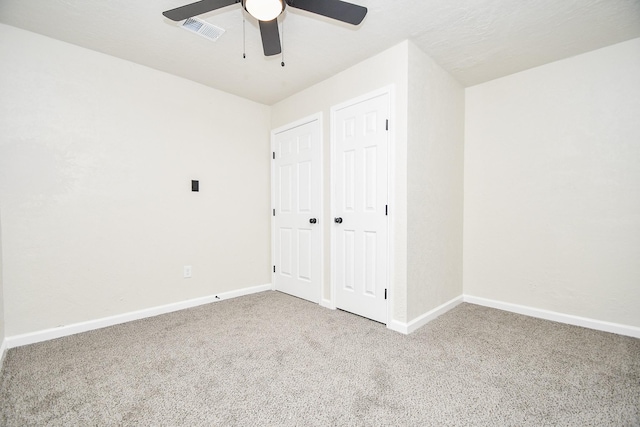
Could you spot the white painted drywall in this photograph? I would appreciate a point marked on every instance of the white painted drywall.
(97, 155)
(435, 162)
(2, 334)
(552, 187)
(386, 68)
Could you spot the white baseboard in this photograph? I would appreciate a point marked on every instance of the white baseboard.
(584, 322)
(327, 303)
(3, 351)
(420, 321)
(398, 326)
(63, 331)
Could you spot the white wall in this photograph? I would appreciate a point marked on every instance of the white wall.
(96, 160)
(386, 68)
(434, 185)
(552, 187)
(2, 334)
(97, 154)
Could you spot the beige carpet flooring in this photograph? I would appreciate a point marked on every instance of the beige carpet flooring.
(273, 360)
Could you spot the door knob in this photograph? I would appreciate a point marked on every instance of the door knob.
(313, 220)
(337, 220)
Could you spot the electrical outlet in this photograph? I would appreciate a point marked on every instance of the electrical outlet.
(187, 271)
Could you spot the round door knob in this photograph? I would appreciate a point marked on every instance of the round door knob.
(337, 220)
(313, 220)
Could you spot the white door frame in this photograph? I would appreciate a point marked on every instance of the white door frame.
(314, 117)
(390, 91)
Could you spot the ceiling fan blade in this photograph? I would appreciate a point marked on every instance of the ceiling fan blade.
(270, 37)
(335, 9)
(198, 8)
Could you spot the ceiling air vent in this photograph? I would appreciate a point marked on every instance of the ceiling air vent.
(203, 28)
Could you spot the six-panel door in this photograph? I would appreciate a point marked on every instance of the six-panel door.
(360, 234)
(297, 208)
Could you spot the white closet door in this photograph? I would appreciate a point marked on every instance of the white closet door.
(360, 188)
(297, 188)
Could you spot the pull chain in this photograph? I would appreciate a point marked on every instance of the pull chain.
(282, 44)
(244, 41)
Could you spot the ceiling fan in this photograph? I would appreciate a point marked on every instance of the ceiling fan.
(267, 12)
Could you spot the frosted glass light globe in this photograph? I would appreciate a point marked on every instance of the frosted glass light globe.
(264, 10)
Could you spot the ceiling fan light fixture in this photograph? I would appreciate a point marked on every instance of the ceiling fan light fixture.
(264, 10)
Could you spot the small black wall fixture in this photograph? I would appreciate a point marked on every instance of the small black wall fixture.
(195, 185)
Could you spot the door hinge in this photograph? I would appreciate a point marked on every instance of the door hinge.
(274, 212)
(386, 209)
(274, 268)
(274, 155)
(385, 294)
(387, 125)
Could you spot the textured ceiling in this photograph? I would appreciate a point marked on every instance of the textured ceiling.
(475, 40)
